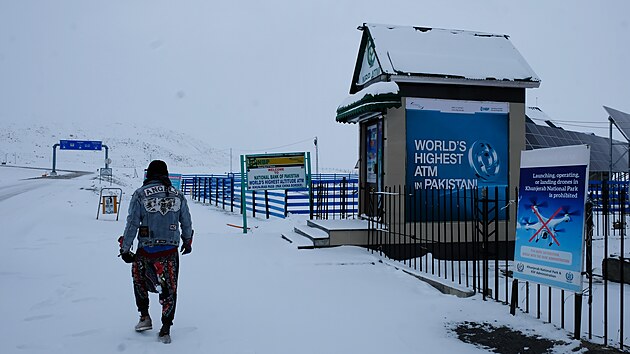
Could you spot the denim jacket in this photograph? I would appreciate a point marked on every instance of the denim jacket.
(155, 215)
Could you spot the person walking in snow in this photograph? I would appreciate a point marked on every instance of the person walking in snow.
(156, 211)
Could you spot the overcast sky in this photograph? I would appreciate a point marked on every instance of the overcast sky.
(255, 75)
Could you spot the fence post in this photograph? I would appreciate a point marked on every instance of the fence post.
(622, 263)
(206, 184)
(267, 204)
(254, 203)
(496, 244)
(484, 245)
(223, 191)
(343, 198)
(216, 194)
(606, 211)
(286, 203)
(578, 316)
(514, 300)
(476, 240)
(310, 201)
(211, 180)
(192, 189)
(589, 263)
(232, 194)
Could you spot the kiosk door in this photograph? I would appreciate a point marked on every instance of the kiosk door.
(373, 168)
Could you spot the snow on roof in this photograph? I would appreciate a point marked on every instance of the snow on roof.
(469, 55)
(535, 113)
(376, 88)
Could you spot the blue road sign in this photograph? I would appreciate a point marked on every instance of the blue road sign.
(80, 145)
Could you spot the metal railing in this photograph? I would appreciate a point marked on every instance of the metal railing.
(331, 196)
(467, 237)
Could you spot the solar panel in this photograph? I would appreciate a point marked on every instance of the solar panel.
(540, 136)
(621, 120)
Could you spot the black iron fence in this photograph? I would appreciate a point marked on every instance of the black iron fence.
(467, 237)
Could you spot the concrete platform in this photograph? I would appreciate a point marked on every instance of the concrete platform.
(327, 233)
(318, 236)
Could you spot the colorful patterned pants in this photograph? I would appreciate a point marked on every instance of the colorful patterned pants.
(158, 274)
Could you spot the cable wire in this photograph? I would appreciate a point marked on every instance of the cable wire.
(269, 148)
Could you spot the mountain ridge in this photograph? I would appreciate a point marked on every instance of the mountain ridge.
(130, 145)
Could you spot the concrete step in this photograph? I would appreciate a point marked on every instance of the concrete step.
(339, 224)
(298, 240)
(318, 236)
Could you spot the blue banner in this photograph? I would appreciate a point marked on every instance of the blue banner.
(453, 147)
(80, 145)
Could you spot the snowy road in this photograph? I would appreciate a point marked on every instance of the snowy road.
(9, 191)
(11, 188)
(15, 181)
(65, 291)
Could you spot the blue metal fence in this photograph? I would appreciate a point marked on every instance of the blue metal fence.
(331, 196)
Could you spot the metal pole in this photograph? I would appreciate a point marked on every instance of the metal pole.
(106, 156)
(589, 264)
(316, 156)
(577, 327)
(622, 264)
(606, 210)
(309, 181)
(610, 133)
(514, 300)
(243, 199)
(54, 172)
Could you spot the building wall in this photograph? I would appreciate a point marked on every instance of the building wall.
(394, 147)
(517, 144)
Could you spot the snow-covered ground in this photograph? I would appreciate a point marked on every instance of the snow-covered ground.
(64, 290)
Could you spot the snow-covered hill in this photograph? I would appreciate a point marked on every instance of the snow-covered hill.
(131, 146)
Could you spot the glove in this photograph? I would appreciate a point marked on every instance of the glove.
(127, 257)
(187, 246)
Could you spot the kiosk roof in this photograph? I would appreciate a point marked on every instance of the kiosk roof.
(446, 56)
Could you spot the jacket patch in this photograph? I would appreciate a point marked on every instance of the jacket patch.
(143, 231)
(162, 205)
(159, 189)
(172, 227)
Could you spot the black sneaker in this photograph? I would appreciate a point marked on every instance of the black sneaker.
(165, 335)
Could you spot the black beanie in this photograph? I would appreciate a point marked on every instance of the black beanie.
(157, 168)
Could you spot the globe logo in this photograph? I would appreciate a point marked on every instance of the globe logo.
(569, 277)
(371, 55)
(484, 160)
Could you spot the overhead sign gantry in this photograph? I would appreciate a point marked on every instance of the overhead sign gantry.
(90, 145)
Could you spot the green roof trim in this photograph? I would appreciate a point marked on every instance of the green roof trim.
(368, 104)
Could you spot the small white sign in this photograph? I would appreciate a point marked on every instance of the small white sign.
(106, 172)
(110, 205)
(276, 178)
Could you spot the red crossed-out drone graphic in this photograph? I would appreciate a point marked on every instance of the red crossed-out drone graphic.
(546, 228)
